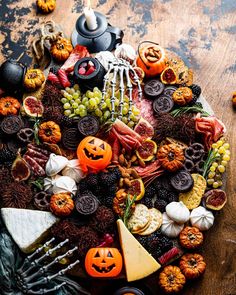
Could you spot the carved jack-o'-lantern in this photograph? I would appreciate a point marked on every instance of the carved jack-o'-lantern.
(103, 262)
(94, 153)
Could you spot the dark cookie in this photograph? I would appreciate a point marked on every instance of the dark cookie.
(163, 104)
(182, 181)
(88, 125)
(153, 88)
(189, 165)
(169, 90)
(42, 201)
(86, 204)
(11, 124)
(195, 152)
(25, 135)
(70, 138)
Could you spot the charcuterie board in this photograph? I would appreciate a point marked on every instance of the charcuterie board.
(117, 158)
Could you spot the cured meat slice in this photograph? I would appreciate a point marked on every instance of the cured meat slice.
(211, 128)
(38, 149)
(78, 52)
(62, 76)
(32, 153)
(53, 78)
(34, 166)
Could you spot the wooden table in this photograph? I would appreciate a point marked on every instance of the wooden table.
(203, 33)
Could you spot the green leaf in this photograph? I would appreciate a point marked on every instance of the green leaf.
(128, 208)
(39, 183)
(197, 108)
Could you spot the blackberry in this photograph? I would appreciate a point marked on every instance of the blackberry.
(92, 181)
(147, 202)
(150, 191)
(162, 194)
(160, 205)
(6, 155)
(157, 253)
(107, 179)
(166, 244)
(108, 201)
(172, 197)
(142, 240)
(83, 186)
(152, 244)
(117, 172)
(196, 89)
(66, 121)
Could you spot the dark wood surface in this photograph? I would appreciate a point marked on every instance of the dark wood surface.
(203, 33)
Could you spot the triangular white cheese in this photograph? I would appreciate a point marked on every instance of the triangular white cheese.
(138, 262)
(27, 227)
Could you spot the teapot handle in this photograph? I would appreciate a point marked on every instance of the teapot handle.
(119, 34)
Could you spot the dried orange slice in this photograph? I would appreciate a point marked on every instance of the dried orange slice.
(168, 76)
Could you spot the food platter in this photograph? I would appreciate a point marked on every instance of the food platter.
(116, 154)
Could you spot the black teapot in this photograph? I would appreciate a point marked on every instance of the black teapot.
(104, 37)
(12, 75)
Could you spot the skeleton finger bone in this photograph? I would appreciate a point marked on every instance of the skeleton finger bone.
(46, 291)
(122, 89)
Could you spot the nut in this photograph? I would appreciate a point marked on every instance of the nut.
(151, 58)
(134, 174)
(121, 182)
(141, 163)
(127, 182)
(121, 159)
(133, 158)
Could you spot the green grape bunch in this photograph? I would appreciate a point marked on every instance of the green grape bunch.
(76, 105)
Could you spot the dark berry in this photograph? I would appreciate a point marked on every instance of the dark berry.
(142, 240)
(6, 155)
(172, 197)
(107, 179)
(92, 181)
(53, 70)
(150, 191)
(108, 201)
(147, 202)
(160, 205)
(83, 186)
(162, 194)
(66, 121)
(196, 89)
(166, 244)
(117, 172)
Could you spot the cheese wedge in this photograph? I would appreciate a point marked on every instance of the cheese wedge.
(27, 227)
(138, 262)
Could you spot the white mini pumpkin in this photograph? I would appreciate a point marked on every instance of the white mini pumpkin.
(169, 227)
(64, 184)
(178, 212)
(202, 218)
(73, 170)
(55, 164)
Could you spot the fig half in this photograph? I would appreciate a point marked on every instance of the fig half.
(20, 170)
(215, 199)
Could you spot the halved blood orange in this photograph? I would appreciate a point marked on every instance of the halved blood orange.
(136, 189)
(147, 150)
(168, 76)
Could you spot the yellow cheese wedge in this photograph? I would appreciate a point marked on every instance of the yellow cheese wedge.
(138, 262)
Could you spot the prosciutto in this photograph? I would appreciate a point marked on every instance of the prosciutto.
(78, 52)
(211, 128)
(127, 137)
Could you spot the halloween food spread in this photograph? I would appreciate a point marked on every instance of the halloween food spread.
(130, 173)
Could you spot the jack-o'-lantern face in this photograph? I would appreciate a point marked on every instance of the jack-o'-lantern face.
(103, 262)
(94, 153)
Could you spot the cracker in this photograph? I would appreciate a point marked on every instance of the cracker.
(192, 199)
(139, 218)
(155, 224)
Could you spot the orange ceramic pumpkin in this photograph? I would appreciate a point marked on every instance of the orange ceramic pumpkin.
(103, 262)
(171, 157)
(94, 153)
(151, 58)
(192, 265)
(9, 106)
(62, 204)
(49, 132)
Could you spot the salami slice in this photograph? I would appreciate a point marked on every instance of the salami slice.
(34, 166)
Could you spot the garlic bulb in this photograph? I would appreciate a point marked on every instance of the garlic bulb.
(202, 218)
(55, 164)
(64, 184)
(178, 212)
(127, 52)
(169, 227)
(48, 183)
(104, 57)
(73, 170)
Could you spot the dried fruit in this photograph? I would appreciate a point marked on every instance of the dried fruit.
(136, 189)
(147, 150)
(144, 129)
(168, 76)
(33, 106)
(215, 199)
(20, 169)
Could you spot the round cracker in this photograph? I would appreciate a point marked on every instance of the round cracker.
(139, 218)
(155, 224)
(142, 229)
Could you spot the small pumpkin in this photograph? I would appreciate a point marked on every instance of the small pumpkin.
(171, 157)
(34, 79)
(62, 204)
(61, 49)
(49, 132)
(46, 6)
(103, 262)
(171, 279)
(151, 58)
(190, 237)
(9, 106)
(182, 96)
(192, 265)
(94, 153)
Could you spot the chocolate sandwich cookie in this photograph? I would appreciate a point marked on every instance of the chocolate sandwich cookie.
(153, 88)
(86, 204)
(11, 124)
(163, 104)
(88, 125)
(182, 181)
